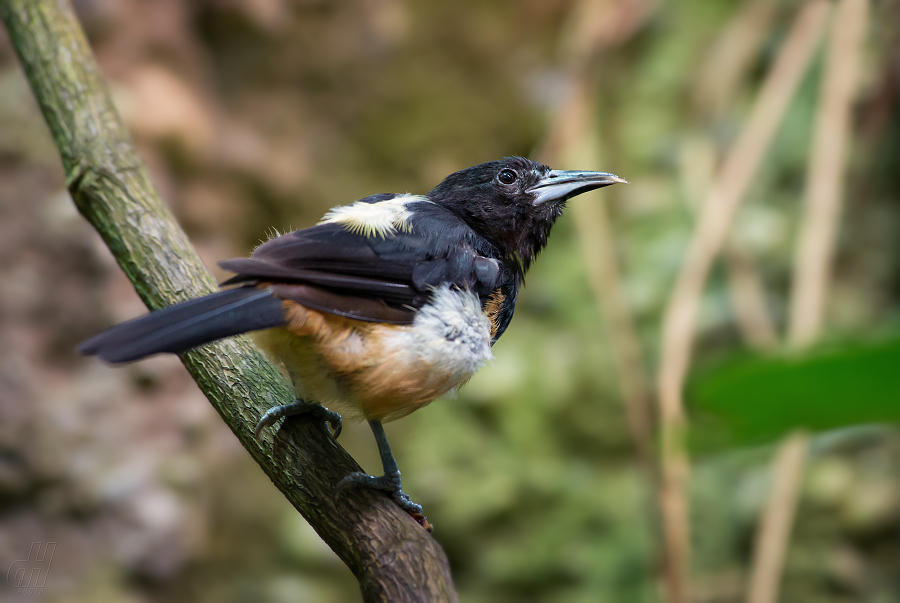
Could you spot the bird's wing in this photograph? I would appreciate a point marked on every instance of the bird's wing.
(380, 273)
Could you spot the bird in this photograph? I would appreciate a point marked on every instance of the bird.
(384, 305)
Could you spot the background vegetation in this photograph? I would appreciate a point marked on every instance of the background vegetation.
(541, 476)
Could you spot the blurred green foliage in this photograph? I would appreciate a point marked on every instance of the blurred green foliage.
(755, 400)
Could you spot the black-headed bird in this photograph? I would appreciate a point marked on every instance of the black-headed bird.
(385, 304)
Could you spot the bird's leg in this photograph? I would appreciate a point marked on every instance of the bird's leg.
(389, 482)
(299, 407)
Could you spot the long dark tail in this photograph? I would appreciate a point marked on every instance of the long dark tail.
(186, 325)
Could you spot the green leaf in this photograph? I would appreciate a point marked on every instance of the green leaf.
(753, 400)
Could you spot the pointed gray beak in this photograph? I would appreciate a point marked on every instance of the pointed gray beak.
(559, 185)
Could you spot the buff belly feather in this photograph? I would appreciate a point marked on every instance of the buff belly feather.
(380, 371)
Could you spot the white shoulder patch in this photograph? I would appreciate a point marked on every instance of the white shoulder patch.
(374, 219)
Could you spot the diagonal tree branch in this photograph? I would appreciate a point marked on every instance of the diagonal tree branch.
(391, 555)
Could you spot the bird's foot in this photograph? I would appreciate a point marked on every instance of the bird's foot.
(300, 407)
(389, 483)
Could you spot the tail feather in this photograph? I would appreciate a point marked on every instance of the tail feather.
(187, 325)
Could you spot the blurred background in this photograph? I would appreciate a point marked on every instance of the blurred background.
(762, 142)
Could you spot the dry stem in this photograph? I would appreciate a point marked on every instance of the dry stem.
(718, 211)
(815, 249)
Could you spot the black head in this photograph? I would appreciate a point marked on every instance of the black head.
(514, 202)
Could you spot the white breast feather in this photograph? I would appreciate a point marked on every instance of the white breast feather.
(451, 334)
(374, 219)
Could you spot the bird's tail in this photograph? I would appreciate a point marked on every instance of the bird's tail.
(187, 325)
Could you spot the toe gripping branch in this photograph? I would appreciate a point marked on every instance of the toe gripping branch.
(389, 482)
(301, 407)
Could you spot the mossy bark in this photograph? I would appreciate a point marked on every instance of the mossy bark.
(391, 555)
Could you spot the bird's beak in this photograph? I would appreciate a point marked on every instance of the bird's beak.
(559, 185)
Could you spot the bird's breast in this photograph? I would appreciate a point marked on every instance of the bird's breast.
(383, 371)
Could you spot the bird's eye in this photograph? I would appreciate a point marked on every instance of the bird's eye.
(507, 176)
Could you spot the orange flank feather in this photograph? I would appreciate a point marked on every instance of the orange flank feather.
(492, 310)
(366, 369)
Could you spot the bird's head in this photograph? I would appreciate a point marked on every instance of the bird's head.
(514, 202)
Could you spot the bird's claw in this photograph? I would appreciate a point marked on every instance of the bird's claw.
(331, 417)
(386, 483)
(272, 415)
(299, 407)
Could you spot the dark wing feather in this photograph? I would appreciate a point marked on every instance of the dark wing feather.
(389, 291)
(351, 306)
(385, 279)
